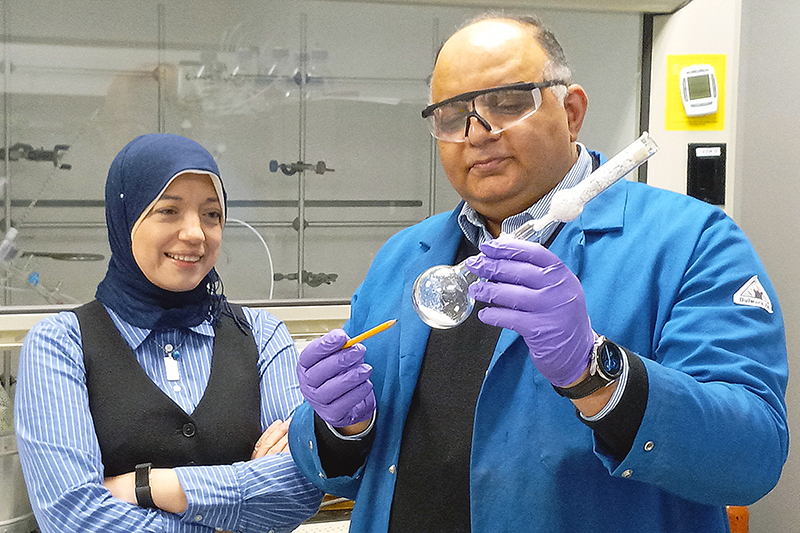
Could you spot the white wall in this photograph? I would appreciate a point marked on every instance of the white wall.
(768, 139)
(702, 27)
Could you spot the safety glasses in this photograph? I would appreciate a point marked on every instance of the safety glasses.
(496, 109)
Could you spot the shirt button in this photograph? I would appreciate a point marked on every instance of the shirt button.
(322, 475)
(649, 445)
(628, 473)
(198, 518)
(188, 430)
(392, 469)
(310, 445)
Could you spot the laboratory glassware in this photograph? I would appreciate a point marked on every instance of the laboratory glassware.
(440, 294)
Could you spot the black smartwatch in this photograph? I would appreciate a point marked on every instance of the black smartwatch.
(143, 496)
(604, 368)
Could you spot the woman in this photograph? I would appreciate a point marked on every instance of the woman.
(142, 410)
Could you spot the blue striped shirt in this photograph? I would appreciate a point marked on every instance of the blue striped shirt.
(61, 458)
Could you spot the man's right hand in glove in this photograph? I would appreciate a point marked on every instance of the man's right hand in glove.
(336, 382)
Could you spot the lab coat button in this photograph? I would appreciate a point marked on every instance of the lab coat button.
(628, 473)
(392, 469)
(189, 430)
(649, 445)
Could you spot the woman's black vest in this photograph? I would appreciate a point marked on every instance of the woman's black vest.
(136, 422)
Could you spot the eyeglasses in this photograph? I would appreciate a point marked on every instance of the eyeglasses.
(496, 109)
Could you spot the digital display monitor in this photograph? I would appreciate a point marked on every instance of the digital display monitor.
(699, 87)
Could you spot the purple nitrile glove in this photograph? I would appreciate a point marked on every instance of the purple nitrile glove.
(533, 293)
(336, 382)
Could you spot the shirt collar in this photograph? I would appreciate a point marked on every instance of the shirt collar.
(473, 224)
(135, 336)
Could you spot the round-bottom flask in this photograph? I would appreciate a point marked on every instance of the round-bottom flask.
(441, 297)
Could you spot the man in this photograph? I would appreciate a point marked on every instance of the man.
(505, 423)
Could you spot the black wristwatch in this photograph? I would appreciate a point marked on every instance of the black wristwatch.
(143, 495)
(604, 368)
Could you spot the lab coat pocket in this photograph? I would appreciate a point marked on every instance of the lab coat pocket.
(565, 443)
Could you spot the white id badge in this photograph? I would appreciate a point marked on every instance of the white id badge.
(172, 369)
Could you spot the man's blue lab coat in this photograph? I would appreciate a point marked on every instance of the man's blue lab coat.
(661, 273)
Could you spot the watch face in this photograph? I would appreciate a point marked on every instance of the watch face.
(610, 360)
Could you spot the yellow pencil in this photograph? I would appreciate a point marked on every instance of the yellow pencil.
(369, 333)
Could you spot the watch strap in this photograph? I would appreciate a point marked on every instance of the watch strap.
(596, 380)
(143, 495)
(583, 389)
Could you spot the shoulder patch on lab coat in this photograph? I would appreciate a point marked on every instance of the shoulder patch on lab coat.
(753, 294)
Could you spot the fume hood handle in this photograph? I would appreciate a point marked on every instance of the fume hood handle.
(293, 168)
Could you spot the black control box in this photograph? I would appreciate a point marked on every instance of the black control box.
(706, 172)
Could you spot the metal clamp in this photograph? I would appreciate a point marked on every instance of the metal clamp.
(293, 168)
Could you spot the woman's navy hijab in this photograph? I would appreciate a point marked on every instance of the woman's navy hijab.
(137, 176)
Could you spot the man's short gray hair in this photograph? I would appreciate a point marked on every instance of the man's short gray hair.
(557, 67)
